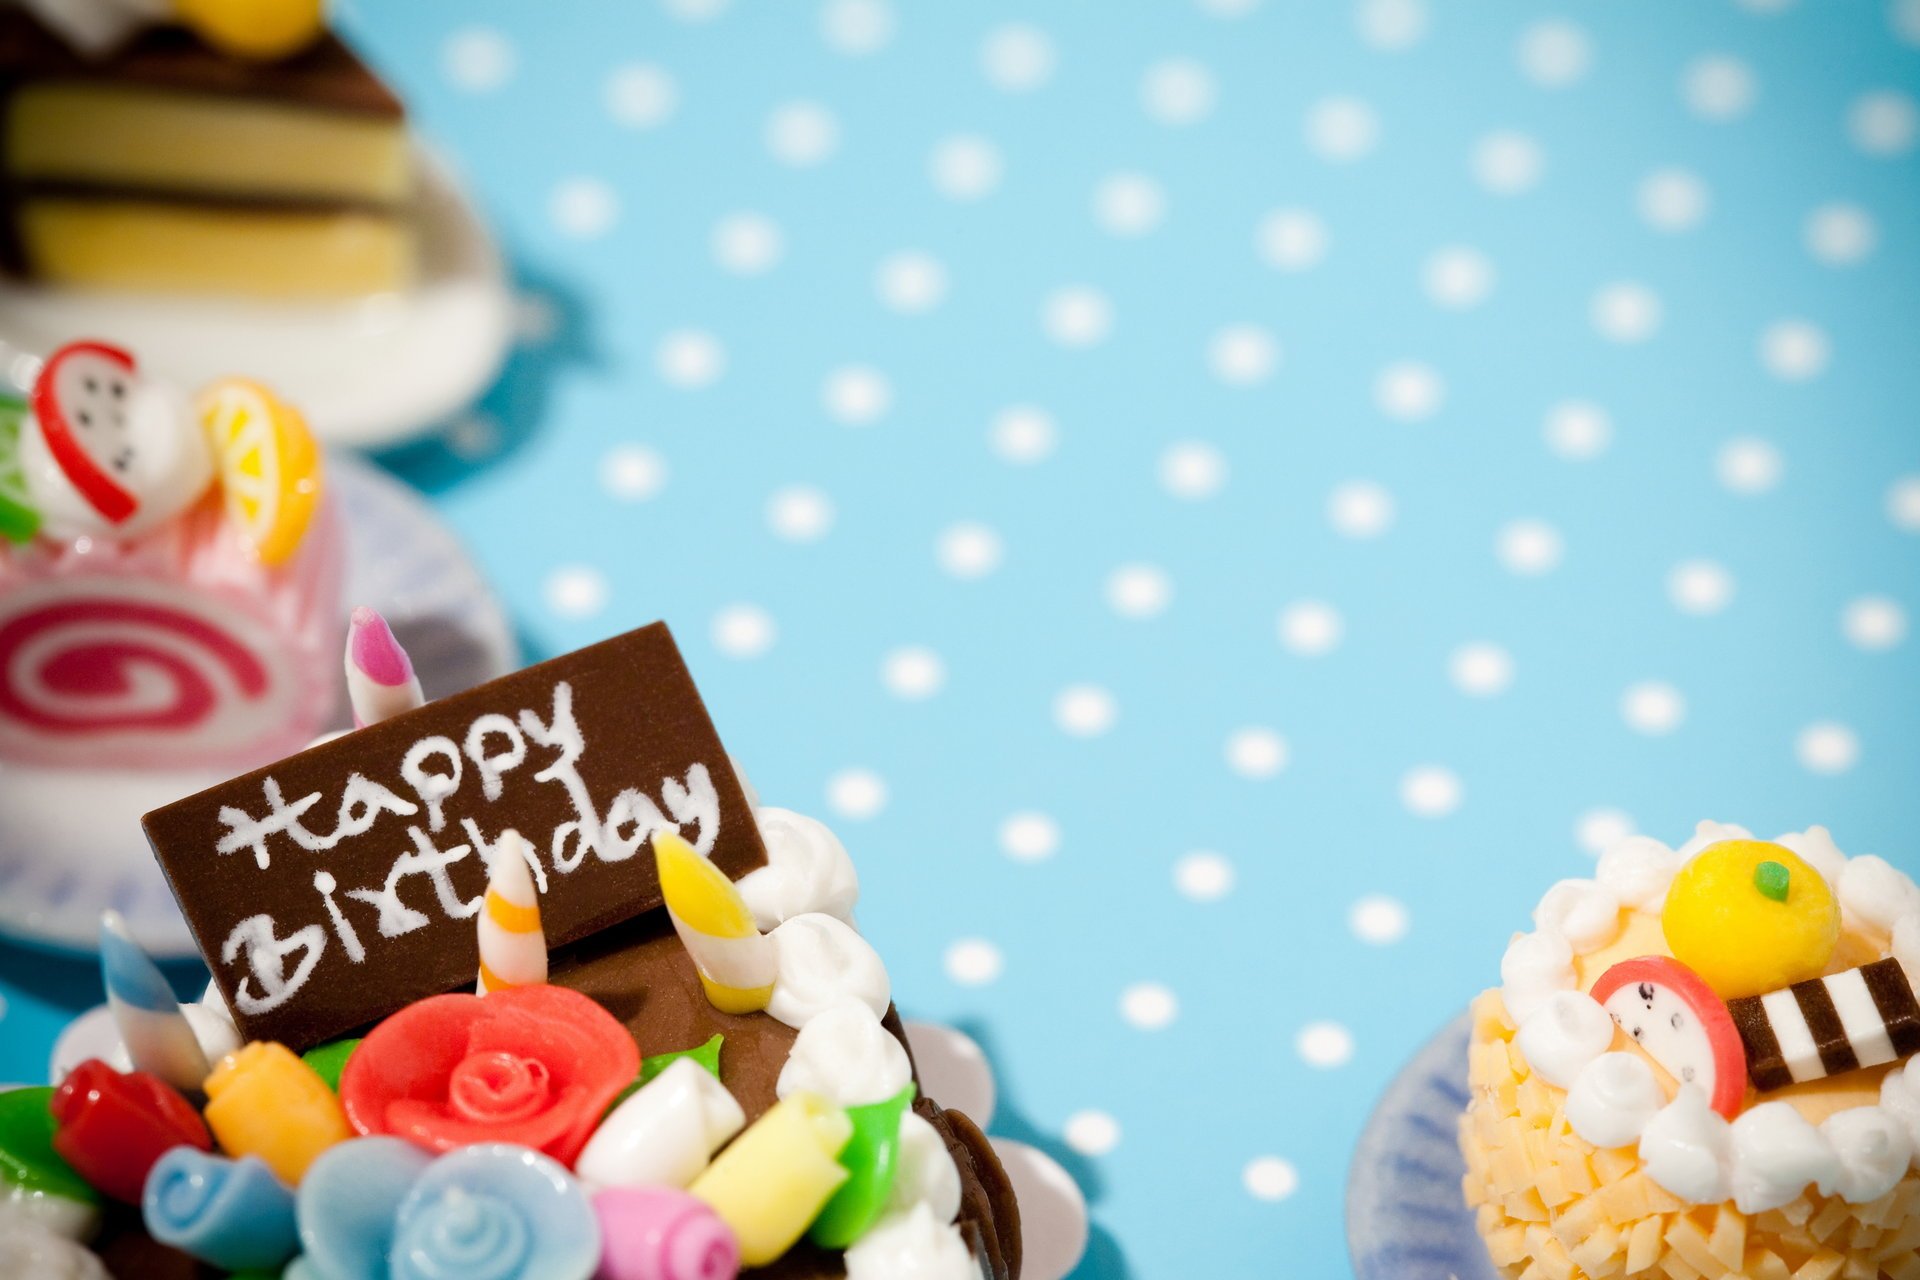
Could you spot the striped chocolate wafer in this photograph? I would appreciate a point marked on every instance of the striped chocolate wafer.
(1826, 1026)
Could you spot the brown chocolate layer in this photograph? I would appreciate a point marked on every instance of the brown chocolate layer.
(1893, 996)
(1823, 1019)
(1766, 1065)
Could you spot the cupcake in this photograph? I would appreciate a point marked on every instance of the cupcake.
(1698, 1064)
(170, 571)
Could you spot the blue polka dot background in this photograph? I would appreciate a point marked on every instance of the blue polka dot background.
(1218, 503)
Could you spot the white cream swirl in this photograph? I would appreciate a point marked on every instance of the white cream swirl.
(1612, 1099)
(807, 870)
(27, 1250)
(1873, 1148)
(927, 1174)
(911, 1246)
(1900, 1098)
(1535, 966)
(846, 1056)
(1875, 893)
(1564, 1035)
(1584, 912)
(1638, 870)
(1816, 848)
(1776, 1154)
(1688, 1148)
(1707, 833)
(820, 961)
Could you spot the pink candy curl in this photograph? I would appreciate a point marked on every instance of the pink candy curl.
(658, 1233)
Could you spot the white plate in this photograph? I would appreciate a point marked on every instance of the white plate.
(369, 372)
(70, 840)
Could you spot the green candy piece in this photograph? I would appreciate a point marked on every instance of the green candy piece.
(872, 1160)
(19, 522)
(707, 1055)
(27, 1157)
(329, 1060)
(1772, 879)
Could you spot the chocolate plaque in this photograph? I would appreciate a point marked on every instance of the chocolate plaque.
(332, 888)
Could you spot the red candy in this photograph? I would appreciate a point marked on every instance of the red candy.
(537, 1066)
(114, 1127)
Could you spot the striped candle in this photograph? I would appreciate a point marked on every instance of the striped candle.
(513, 948)
(158, 1037)
(735, 961)
(381, 682)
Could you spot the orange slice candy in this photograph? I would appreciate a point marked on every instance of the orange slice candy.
(269, 465)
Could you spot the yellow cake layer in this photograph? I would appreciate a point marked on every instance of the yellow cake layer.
(130, 244)
(129, 137)
(1551, 1206)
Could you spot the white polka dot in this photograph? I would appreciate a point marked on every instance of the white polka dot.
(1507, 163)
(473, 436)
(856, 28)
(1874, 623)
(478, 59)
(1626, 311)
(1256, 752)
(1554, 53)
(964, 167)
(1023, 434)
(576, 592)
(1379, 920)
(1139, 591)
(1310, 628)
(802, 134)
(1653, 707)
(1192, 470)
(1291, 239)
(696, 10)
(1480, 670)
(1150, 1006)
(584, 208)
(973, 962)
(1578, 430)
(1794, 350)
(1091, 1133)
(1269, 1178)
(743, 631)
(1904, 17)
(536, 319)
(1430, 791)
(1077, 316)
(1360, 509)
(641, 96)
(1029, 837)
(747, 244)
(913, 673)
(857, 395)
(1748, 466)
(1673, 200)
(1903, 504)
(1129, 204)
(1598, 830)
(1700, 587)
(1243, 355)
(968, 550)
(1883, 123)
(1841, 235)
(633, 472)
(1017, 58)
(858, 794)
(1529, 547)
(1409, 391)
(1827, 748)
(1342, 129)
(1177, 91)
(1719, 87)
(800, 513)
(690, 359)
(1324, 1045)
(910, 282)
(1085, 710)
(1391, 25)
(1203, 876)
(1457, 277)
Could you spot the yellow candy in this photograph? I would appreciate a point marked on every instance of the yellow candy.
(264, 30)
(1730, 918)
(263, 1101)
(773, 1181)
(736, 963)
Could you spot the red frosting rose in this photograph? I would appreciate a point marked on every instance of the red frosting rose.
(536, 1066)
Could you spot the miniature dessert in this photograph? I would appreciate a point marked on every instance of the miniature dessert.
(1698, 1064)
(204, 146)
(392, 1077)
(169, 571)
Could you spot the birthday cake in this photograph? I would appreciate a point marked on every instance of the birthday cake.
(519, 984)
(1699, 1063)
(170, 571)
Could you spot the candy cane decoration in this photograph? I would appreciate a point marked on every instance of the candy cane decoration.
(158, 1037)
(513, 947)
(737, 964)
(380, 680)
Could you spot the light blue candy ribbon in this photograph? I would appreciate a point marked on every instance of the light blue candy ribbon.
(232, 1214)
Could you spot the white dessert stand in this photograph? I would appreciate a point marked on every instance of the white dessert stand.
(368, 372)
(70, 840)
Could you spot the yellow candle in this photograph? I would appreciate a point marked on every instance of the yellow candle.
(736, 963)
(263, 1101)
(513, 948)
(772, 1182)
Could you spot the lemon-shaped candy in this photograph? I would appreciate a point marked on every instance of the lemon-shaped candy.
(1750, 917)
(262, 30)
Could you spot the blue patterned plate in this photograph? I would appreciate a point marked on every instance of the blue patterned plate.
(1405, 1217)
